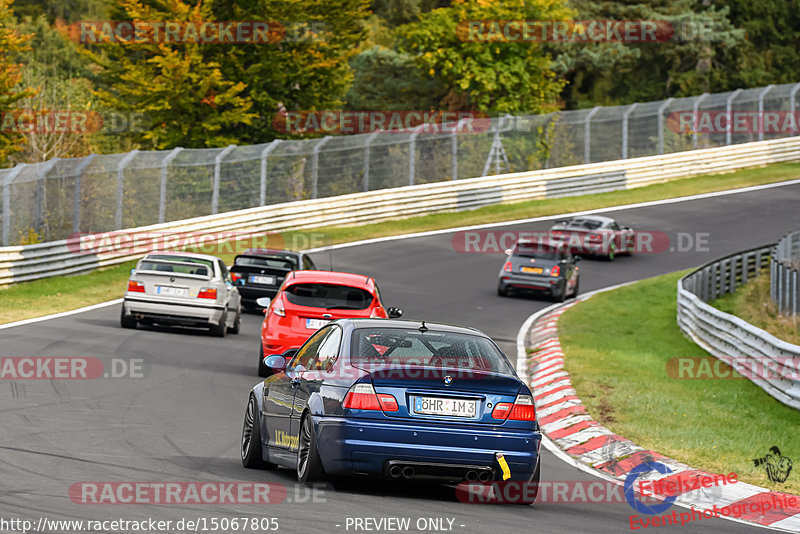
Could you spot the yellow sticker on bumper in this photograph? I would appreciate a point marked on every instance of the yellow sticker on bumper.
(503, 465)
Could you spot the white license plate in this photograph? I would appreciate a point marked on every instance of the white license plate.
(316, 324)
(266, 280)
(172, 291)
(440, 406)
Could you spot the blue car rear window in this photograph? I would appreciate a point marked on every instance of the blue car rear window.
(395, 347)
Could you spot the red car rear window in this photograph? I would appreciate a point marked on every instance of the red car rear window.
(328, 296)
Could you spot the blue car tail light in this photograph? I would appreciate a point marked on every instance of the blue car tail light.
(522, 409)
(363, 397)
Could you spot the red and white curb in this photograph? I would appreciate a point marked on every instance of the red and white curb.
(575, 437)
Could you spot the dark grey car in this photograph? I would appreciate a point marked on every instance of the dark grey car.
(540, 266)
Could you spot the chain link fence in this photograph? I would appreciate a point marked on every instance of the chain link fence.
(52, 200)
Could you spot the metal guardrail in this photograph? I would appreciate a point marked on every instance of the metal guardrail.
(784, 287)
(771, 363)
(31, 262)
(50, 200)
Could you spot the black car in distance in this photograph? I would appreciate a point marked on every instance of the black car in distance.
(260, 272)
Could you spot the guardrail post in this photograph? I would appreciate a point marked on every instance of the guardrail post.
(217, 174)
(7, 201)
(728, 108)
(162, 190)
(262, 184)
(625, 129)
(41, 177)
(773, 270)
(792, 100)
(761, 96)
(76, 198)
(370, 137)
(587, 135)
(315, 165)
(661, 109)
(794, 292)
(121, 186)
(695, 108)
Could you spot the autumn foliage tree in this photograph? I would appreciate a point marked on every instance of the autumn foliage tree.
(12, 43)
(186, 99)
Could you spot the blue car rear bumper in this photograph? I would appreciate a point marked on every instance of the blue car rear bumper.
(368, 447)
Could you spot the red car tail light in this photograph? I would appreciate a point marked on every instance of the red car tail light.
(507, 267)
(362, 397)
(555, 271)
(522, 409)
(235, 277)
(135, 287)
(207, 293)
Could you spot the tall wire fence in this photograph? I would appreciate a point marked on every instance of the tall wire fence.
(52, 200)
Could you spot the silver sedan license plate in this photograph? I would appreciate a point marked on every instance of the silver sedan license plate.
(172, 291)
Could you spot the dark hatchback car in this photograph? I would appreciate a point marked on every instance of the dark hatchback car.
(399, 400)
(540, 266)
(260, 272)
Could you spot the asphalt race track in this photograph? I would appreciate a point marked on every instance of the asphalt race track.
(181, 421)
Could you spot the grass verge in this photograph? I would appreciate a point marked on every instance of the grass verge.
(752, 303)
(616, 348)
(41, 297)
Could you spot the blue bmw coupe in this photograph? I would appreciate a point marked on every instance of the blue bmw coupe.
(394, 399)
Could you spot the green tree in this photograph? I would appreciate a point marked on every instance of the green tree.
(769, 54)
(12, 44)
(499, 76)
(388, 80)
(306, 69)
(187, 99)
(691, 60)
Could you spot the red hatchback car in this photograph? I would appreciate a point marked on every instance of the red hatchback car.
(308, 300)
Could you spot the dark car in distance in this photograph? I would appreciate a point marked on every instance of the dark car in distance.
(260, 272)
(543, 266)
